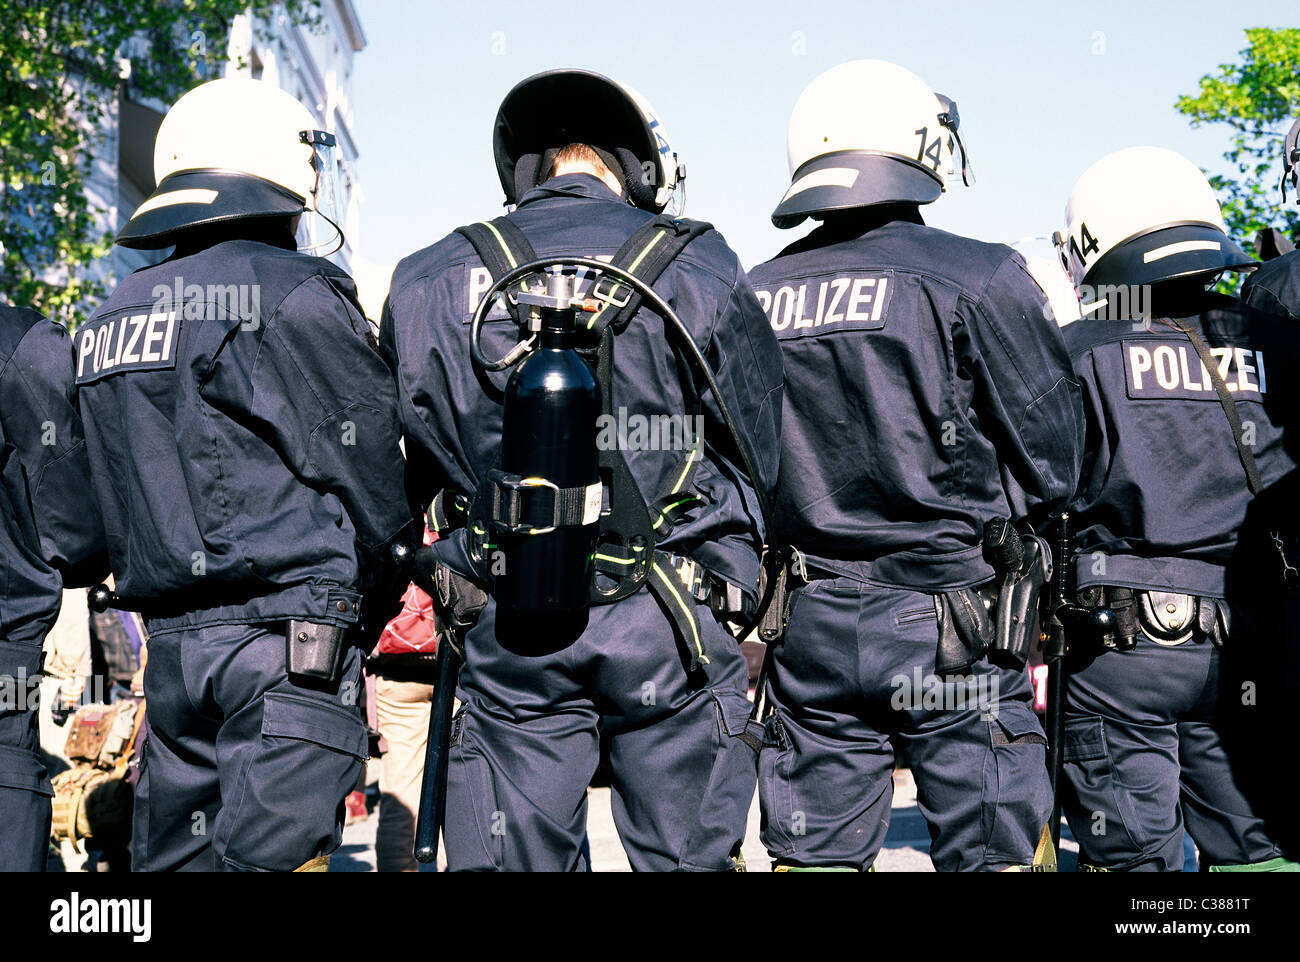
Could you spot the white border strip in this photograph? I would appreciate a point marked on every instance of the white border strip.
(191, 195)
(826, 177)
(1183, 247)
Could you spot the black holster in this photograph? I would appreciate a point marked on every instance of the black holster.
(315, 651)
(792, 573)
(772, 626)
(965, 629)
(1017, 604)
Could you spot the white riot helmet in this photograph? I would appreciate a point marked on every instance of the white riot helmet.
(237, 148)
(553, 109)
(1141, 216)
(868, 132)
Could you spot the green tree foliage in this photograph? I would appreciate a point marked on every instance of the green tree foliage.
(1257, 99)
(63, 65)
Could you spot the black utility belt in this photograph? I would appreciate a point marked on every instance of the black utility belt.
(1168, 618)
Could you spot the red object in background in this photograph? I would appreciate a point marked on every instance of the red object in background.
(355, 808)
(415, 629)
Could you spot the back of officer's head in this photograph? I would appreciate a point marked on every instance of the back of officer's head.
(556, 111)
(581, 159)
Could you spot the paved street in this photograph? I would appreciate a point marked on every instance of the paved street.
(905, 850)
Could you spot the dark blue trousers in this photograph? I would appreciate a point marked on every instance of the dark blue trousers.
(853, 681)
(1159, 739)
(529, 736)
(243, 770)
(24, 784)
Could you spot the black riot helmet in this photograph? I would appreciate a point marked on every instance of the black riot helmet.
(555, 108)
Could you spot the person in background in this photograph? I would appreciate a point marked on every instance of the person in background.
(403, 666)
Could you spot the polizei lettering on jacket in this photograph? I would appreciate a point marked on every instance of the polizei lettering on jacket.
(1159, 369)
(478, 280)
(135, 342)
(855, 302)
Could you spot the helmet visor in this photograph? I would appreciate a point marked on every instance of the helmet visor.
(320, 231)
(1291, 160)
(951, 121)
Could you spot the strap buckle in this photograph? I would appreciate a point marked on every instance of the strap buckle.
(694, 576)
(508, 503)
(608, 296)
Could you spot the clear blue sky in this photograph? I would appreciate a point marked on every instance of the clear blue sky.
(1043, 88)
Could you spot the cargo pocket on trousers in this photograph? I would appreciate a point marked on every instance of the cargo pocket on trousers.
(719, 826)
(286, 715)
(306, 761)
(24, 770)
(1099, 797)
(20, 679)
(1017, 791)
(778, 822)
(468, 772)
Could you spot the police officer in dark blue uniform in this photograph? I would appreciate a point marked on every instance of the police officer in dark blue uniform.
(1173, 701)
(50, 535)
(927, 394)
(1275, 286)
(243, 439)
(587, 164)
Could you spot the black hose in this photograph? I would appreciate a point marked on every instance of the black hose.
(658, 306)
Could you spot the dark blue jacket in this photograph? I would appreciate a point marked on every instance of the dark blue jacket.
(453, 428)
(1163, 494)
(927, 392)
(50, 531)
(243, 437)
(1275, 287)
(50, 535)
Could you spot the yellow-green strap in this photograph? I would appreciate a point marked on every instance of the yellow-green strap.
(631, 269)
(501, 240)
(687, 610)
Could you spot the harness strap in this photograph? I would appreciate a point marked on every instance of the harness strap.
(678, 603)
(646, 254)
(670, 507)
(1229, 405)
(502, 247)
(1290, 576)
(520, 505)
(448, 511)
(630, 528)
